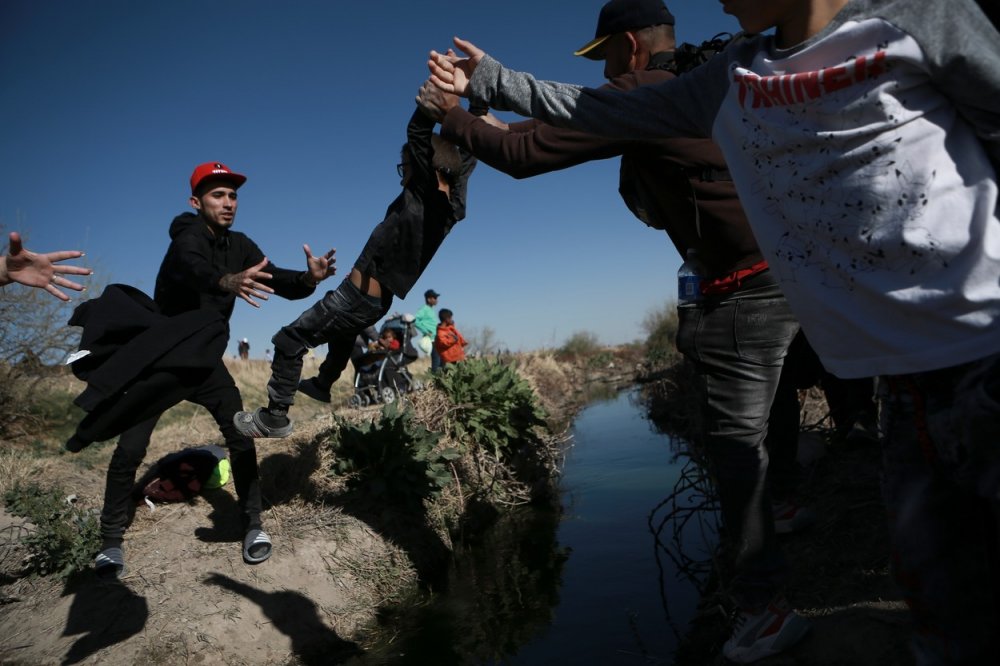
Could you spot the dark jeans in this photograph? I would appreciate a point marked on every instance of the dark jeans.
(738, 344)
(941, 480)
(219, 395)
(800, 370)
(335, 320)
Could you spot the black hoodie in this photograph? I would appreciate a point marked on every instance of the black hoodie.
(196, 260)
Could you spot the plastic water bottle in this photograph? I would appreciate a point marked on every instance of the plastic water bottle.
(689, 280)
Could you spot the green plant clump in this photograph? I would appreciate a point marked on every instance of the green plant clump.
(600, 360)
(393, 460)
(494, 406)
(580, 344)
(64, 538)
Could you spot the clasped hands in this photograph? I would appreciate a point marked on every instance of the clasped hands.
(449, 80)
(450, 73)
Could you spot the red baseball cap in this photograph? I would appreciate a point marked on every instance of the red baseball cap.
(215, 170)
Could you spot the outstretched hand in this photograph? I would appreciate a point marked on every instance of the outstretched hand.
(40, 270)
(321, 267)
(451, 73)
(246, 284)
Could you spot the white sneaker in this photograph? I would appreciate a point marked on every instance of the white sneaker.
(766, 633)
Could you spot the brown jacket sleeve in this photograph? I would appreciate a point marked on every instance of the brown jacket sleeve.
(527, 149)
(531, 147)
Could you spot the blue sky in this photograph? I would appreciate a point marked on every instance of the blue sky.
(106, 106)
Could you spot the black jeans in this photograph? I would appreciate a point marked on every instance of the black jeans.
(738, 344)
(219, 395)
(336, 320)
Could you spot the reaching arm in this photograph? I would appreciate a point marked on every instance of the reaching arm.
(40, 270)
(247, 284)
(528, 148)
(321, 267)
(418, 143)
(261, 277)
(681, 107)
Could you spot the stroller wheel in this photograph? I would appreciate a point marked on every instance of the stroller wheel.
(388, 395)
(365, 400)
(417, 385)
(355, 401)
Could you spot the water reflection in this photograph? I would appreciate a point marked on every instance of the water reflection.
(610, 578)
(685, 528)
(502, 591)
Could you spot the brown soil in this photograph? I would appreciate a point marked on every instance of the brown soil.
(189, 598)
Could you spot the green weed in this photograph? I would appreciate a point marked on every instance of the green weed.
(64, 537)
(494, 407)
(393, 460)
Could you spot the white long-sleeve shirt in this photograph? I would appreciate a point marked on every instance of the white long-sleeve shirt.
(863, 159)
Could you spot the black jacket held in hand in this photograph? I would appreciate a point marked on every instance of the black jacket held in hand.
(141, 362)
(196, 260)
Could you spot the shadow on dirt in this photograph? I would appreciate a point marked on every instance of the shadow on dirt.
(296, 616)
(104, 613)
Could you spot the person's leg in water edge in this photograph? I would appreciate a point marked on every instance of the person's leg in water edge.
(738, 344)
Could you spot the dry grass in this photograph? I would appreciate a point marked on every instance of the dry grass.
(20, 467)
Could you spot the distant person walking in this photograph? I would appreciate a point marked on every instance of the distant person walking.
(426, 321)
(448, 342)
(244, 349)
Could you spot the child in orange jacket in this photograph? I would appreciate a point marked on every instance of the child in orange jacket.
(449, 343)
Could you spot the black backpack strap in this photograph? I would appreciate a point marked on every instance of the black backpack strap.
(686, 57)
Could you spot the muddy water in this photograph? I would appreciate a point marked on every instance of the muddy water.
(590, 584)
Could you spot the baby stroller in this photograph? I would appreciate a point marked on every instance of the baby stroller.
(382, 376)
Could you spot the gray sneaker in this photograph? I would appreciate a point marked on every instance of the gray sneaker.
(251, 424)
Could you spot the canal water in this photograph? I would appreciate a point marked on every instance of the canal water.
(594, 583)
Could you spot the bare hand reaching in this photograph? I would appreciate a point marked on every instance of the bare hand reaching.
(450, 73)
(246, 284)
(321, 267)
(40, 270)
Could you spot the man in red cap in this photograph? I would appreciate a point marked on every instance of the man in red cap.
(207, 266)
